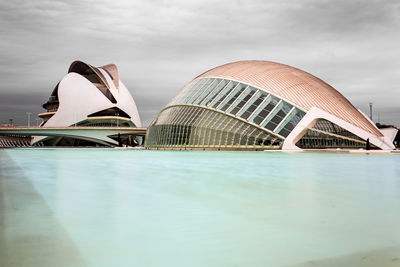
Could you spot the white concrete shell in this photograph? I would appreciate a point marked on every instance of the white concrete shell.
(390, 133)
(79, 97)
(315, 114)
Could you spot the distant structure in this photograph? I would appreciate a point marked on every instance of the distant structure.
(370, 111)
(88, 96)
(257, 105)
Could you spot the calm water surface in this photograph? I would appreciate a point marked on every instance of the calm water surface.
(111, 207)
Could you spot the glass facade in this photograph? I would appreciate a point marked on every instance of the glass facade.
(223, 113)
(197, 127)
(226, 114)
(325, 134)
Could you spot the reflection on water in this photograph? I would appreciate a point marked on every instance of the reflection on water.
(110, 207)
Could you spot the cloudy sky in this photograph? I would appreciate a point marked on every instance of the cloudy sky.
(159, 46)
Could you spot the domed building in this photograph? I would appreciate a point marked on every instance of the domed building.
(89, 96)
(258, 105)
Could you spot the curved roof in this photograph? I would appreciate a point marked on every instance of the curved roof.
(294, 85)
(112, 70)
(84, 68)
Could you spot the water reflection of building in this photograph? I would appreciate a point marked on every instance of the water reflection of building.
(89, 96)
(257, 105)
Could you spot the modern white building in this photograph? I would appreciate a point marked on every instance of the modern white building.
(88, 96)
(257, 105)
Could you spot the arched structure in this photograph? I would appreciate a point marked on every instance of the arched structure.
(261, 105)
(89, 96)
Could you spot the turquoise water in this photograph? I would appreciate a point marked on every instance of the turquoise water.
(110, 207)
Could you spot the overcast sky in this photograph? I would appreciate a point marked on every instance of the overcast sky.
(159, 46)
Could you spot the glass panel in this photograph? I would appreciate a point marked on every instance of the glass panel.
(271, 125)
(232, 97)
(190, 90)
(277, 116)
(183, 93)
(188, 93)
(252, 104)
(210, 119)
(316, 139)
(221, 137)
(193, 116)
(210, 83)
(251, 137)
(241, 101)
(244, 135)
(327, 126)
(240, 133)
(206, 92)
(213, 93)
(224, 92)
(263, 111)
(196, 89)
(291, 121)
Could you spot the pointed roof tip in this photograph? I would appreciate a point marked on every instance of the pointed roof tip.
(112, 70)
(77, 65)
(81, 67)
(77, 62)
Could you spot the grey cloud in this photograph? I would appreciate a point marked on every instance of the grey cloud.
(159, 46)
(15, 105)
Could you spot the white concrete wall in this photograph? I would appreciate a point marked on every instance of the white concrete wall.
(78, 98)
(314, 114)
